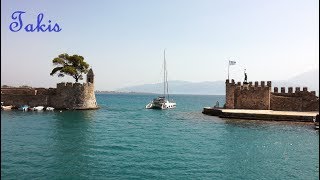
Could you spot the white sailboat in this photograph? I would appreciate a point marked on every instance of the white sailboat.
(162, 102)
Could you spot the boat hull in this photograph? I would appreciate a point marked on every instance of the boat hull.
(316, 122)
(38, 108)
(23, 108)
(161, 106)
(49, 109)
(6, 107)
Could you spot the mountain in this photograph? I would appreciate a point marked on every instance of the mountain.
(308, 79)
(181, 87)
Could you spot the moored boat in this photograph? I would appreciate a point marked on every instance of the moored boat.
(38, 108)
(316, 121)
(23, 108)
(49, 108)
(162, 102)
(6, 107)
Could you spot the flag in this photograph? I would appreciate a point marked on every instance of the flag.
(232, 62)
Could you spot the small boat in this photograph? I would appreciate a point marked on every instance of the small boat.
(38, 108)
(162, 102)
(6, 107)
(23, 108)
(49, 108)
(316, 121)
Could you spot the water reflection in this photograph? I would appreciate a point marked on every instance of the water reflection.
(260, 124)
(71, 140)
(250, 146)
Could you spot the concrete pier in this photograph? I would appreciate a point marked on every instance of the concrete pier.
(268, 115)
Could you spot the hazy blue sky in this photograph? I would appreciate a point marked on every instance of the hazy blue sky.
(123, 40)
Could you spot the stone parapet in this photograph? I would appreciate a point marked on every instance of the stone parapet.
(64, 96)
(260, 97)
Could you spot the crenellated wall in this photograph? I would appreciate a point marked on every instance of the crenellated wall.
(259, 96)
(65, 96)
(22, 99)
(294, 100)
(19, 91)
(74, 96)
(30, 96)
(248, 96)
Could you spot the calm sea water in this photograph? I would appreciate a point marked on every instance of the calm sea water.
(123, 140)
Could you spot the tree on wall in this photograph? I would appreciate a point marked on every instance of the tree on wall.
(73, 66)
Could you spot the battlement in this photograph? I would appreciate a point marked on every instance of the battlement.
(239, 94)
(63, 85)
(18, 91)
(66, 95)
(249, 84)
(251, 88)
(290, 91)
(259, 95)
(228, 82)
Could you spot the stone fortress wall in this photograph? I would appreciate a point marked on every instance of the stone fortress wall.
(74, 96)
(65, 96)
(294, 101)
(260, 97)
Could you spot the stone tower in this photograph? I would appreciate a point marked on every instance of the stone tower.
(247, 95)
(230, 89)
(90, 76)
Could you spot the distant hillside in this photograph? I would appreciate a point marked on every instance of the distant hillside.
(121, 92)
(181, 87)
(309, 79)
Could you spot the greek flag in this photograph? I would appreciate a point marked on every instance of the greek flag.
(232, 62)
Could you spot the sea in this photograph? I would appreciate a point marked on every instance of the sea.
(123, 140)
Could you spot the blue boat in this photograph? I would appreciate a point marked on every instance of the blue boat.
(23, 108)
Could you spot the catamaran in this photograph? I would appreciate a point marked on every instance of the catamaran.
(162, 102)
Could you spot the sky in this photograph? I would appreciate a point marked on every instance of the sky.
(123, 40)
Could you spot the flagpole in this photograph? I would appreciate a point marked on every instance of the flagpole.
(228, 68)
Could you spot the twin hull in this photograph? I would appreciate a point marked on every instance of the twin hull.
(161, 105)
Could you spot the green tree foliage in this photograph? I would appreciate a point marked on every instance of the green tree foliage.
(25, 86)
(73, 66)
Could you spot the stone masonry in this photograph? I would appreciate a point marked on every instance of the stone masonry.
(65, 96)
(259, 96)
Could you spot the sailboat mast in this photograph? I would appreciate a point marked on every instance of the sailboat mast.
(164, 74)
(167, 83)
